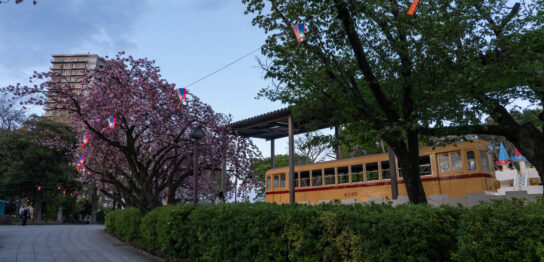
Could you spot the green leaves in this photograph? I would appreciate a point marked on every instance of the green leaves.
(38, 154)
(506, 230)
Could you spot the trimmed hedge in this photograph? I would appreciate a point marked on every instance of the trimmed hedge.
(125, 224)
(506, 230)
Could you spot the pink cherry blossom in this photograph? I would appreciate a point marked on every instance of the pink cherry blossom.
(149, 154)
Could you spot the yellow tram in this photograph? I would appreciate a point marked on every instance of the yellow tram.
(455, 169)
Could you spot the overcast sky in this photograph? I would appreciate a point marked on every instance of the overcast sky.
(188, 39)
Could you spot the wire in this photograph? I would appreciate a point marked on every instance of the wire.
(216, 71)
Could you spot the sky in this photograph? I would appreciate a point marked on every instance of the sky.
(188, 39)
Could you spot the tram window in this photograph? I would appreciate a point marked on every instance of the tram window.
(490, 161)
(372, 173)
(305, 178)
(297, 180)
(385, 170)
(444, 161)
(329, 176)
(276, 181)
(424, 166)
(357, 174)
(317, 178)
(268, 182)
(483, 157)
(456, 161)
(343, 175)
(471, 159)
(282, 180)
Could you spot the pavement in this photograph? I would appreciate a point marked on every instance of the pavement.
(65, 243)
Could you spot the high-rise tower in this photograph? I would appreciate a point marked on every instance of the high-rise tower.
(71, 67)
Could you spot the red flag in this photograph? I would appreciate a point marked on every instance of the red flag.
(412, 9)
(85, 141)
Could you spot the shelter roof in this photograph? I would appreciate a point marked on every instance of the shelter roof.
(273, 125)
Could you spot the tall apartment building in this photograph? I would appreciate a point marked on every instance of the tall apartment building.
(71, 67)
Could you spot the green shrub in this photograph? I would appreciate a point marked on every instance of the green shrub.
(505, 230)
(125, 223)
(499, 231)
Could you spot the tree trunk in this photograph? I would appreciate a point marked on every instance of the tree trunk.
(38, 208)
(171, 200)
(94, 203)
(408, 158)
(71, 210)
(18, 206)
(59, 214)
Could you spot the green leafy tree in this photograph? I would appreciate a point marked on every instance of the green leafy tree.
(499, 62)
(369, 64)
(366, 63)
(39, 154)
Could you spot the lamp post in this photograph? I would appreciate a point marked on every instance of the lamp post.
(196, 133)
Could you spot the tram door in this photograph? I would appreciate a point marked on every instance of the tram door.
(450, 165)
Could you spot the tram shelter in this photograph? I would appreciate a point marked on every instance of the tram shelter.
(280, 124)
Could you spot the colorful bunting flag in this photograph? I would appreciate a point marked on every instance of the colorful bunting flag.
(85, 141)
(81, 161)
(111, 123)
(39, 188)
(299, 31)
(412, 9)
(182, 93)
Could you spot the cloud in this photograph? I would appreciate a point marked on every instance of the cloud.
(30, 34)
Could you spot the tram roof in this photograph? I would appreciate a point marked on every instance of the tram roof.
(273, 125)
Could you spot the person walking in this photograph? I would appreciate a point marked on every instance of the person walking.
(25, 216)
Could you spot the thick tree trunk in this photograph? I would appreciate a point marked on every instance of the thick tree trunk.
(171, 200)
(38, 208)
(408, 157)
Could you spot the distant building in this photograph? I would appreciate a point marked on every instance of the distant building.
(71, 67)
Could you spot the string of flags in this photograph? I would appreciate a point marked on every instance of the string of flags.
(412, 9)
(182, 94)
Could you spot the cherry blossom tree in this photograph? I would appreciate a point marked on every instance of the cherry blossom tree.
(148, 156)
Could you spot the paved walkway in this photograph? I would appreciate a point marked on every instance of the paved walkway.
(64, 243)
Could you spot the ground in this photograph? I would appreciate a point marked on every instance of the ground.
(64, 243)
